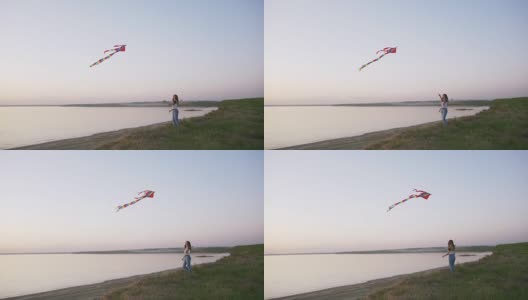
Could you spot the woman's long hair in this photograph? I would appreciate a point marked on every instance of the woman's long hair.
(451, 245)
(175, 99)
(445, 98)
(188, 245)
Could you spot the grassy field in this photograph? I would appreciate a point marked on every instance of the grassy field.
(503, 126)
(503, 275)
(237, 124)
(238, 276)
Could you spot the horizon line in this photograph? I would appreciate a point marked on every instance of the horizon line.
(382, 102)
(376, 250)
(115, 250)
(129, 102)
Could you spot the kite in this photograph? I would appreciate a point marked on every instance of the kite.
(387, 50)
(418, 194)
(141, 196)
(117, 48)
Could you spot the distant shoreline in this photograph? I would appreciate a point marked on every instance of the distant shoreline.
(477, 248)
(214, 249)
(127, 104)
(394, 104)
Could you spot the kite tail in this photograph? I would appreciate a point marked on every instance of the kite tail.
(120, 207)
(103, 59)
(398, 203)
(375, 60)
(422, 194)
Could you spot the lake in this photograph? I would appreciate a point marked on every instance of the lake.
(294, 274)
(22, 126)
(294, 125)
(24, 274)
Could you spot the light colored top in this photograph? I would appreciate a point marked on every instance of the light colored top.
(443, 104)
(175, 106)
(186, 251)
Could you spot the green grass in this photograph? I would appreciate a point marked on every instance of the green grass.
(503, 275)
(237, 124)
(503, 126)
(238, 276)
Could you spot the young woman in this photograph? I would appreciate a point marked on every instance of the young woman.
(451, 253)
(187, 256)
(174, 110)
(443, 107)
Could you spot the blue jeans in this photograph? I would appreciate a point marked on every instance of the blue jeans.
(452, 262)
(187, 263)
(175, 120)
(444, 115)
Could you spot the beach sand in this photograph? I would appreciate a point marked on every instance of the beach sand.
(91, 142)
(90, 291)
(360, 141)
(360, 290)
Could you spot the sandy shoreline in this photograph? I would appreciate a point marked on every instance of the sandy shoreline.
(357, 291)
(360, 141)
(90, 142)
(90, 291)
(97, 140)
(97, 290)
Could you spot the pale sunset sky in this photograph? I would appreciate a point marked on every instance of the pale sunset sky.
(200, 49)
(316, 202)
(66, 201)
(471, 49)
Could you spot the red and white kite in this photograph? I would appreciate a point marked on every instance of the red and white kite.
(117, 48)
(419, 194)
(386, 50)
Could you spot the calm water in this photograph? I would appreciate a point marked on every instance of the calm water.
(34, 273)
(288, 126)
(295, 274)
(21, 126)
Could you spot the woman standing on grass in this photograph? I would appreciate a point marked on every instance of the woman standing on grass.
(174, 110)
(187, 256)
(443, 107)
(451, 253)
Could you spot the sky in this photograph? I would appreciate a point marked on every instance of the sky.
(470, 50)
(315, 202)
(199, 49)
(66, 201)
